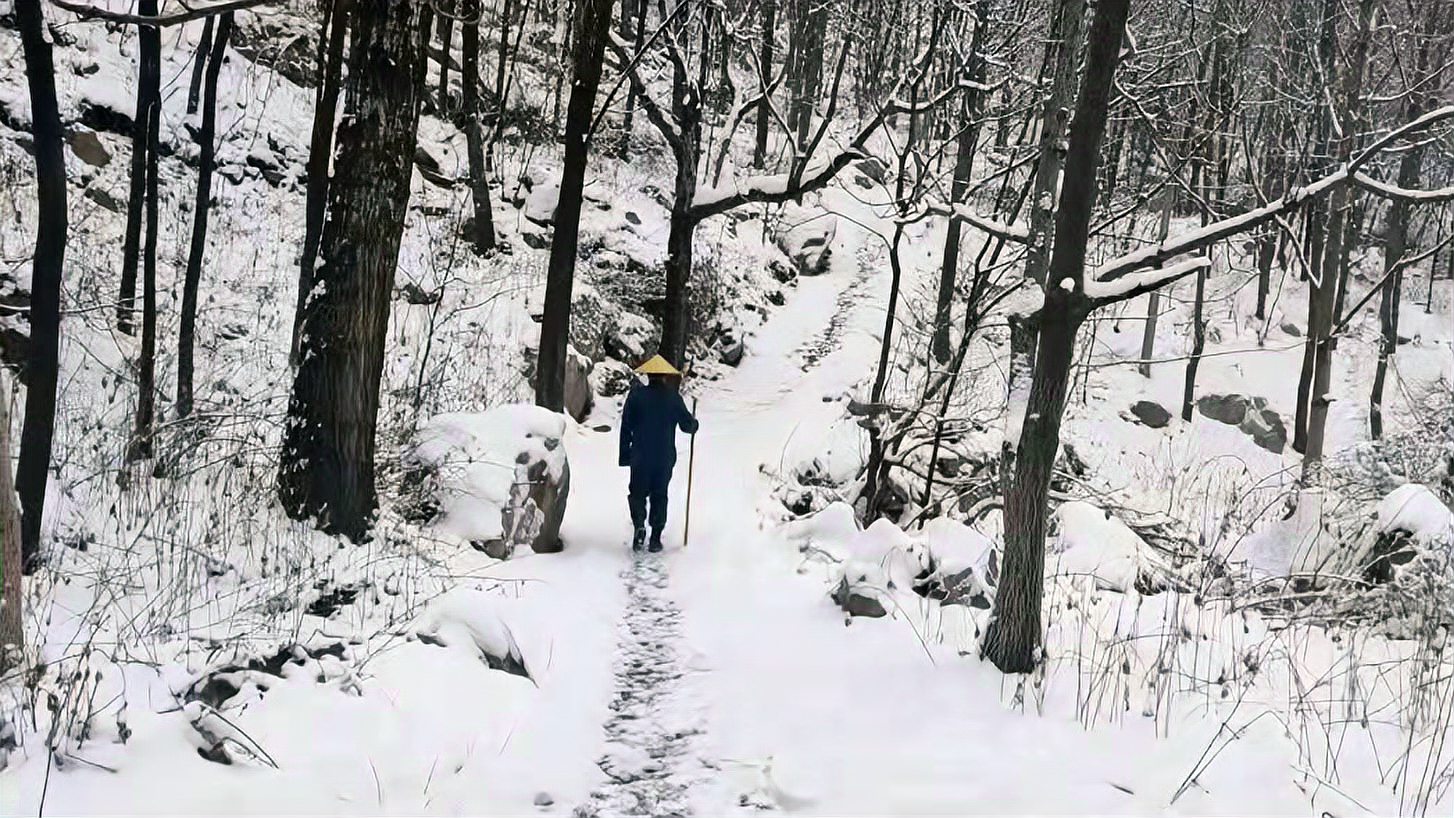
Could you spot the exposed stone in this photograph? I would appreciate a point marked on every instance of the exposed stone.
(1265, 427)
(1150, 413)
(103, 198)
(88, 148)
(543, 799)
(1291, 329)
(855, 603)
(579, 398)
(1229, 409)
(732, 353)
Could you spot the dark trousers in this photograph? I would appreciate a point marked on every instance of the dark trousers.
(649, 482)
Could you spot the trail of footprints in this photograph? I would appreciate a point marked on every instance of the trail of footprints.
(818, 347)
(651, 763)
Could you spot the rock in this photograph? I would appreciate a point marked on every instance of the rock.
(776, 298)
(855, 602)
(874, 169)
(579, 397)
(430, 169)
(732, 354)
(543, 799)
(541, 203)
(611, 378)
(418, 296)
(632, 218)
(103, 118)
(88, 148)
(101, 197)
(781, 272)
(1291, 329)
(1265, 427)
(1229, 409)
(806, 238)
(534, 240)
(1150, 413)
(457, 470)
(267, 167)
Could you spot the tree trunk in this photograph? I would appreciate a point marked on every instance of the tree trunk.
(1013, 637)
(148, 93)
(1198, 317)
(320, 150)
(327, 460)
(1326, 295)
(483, 236)
(1055, 117)
(141, 437)
(1153, 300)
(45, 280)
(631, 87)
(963, 169)
(12, 590)
(593, 26)
(194, 91)
(764, 107)
(674, 331)
(810, 63)
(206, 162)
(446, 45)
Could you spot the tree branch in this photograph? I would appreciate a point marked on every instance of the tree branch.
(88, 12)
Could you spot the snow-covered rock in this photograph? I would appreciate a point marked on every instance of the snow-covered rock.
(806, 236)
(1411, 525)
(499, 479)
(1091, 542)
(962, 565)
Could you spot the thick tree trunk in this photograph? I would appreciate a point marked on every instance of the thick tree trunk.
(45, 280)
(199, 63)
(207, 160)
(327, 460)
(148, 94)
(483, 236)
(320, 150)
(626, 118)
(593, 26)
(1013, 637)
(1198, 318)
(764, 107)
(810, 64)
(963, 169)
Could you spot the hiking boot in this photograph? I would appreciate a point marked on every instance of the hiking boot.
(638, 539)
(655, 545)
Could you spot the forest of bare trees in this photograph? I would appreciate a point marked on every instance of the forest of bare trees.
(1072, 157)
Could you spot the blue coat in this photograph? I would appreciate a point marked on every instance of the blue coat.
(648, 426)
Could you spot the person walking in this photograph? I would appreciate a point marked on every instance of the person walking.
(649, 420)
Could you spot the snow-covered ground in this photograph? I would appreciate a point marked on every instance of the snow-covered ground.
(715, 678)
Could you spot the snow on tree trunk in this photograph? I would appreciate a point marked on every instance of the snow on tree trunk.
(327, 461)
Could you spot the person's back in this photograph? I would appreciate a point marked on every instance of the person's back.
(649, 421)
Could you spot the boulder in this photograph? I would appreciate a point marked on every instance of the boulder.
(857, 599)
(88, 148)
(611, 378)
(1264, 426)
(579, 397)
(1291, 329)
(498, 479)
(103, 197)
(1229, 409)
(540, 204)
(1150, 413)
(732, 353)
(805, 236)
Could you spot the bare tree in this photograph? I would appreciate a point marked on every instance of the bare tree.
(327, 461)
(46, 271)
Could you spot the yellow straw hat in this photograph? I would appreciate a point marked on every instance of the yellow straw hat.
(657, 365)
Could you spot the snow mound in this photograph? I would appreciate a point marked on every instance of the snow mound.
(473, 620)
(1418, 511)
(478, 460)
(1092, 542)
(962, 565)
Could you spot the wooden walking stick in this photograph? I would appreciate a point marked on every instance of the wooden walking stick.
(691, 460)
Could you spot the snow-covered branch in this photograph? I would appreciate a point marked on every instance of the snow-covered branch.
(1139, 283)
(964, 213)
(1390, 191)
(89, 12)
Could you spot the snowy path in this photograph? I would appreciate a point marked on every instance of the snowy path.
(649, 763)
